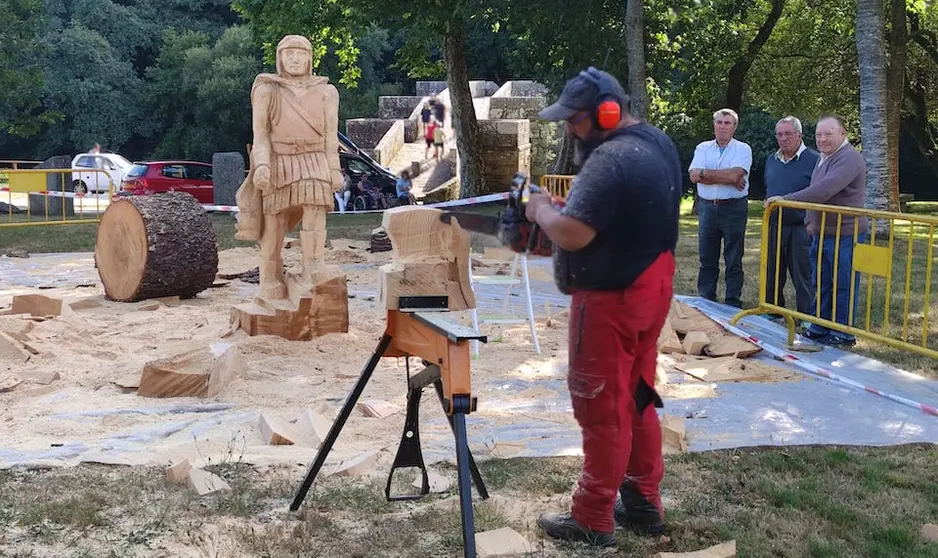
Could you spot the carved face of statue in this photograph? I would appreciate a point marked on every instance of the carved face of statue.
(296, 61)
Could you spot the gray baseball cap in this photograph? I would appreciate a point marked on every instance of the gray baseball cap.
(582, 92)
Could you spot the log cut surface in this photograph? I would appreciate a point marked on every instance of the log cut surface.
(156, 246)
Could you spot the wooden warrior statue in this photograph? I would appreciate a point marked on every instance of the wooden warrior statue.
(294, 164)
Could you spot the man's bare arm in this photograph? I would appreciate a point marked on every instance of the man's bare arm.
(722, 176)
(566, 232)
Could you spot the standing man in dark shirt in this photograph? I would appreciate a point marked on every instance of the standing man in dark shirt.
(614, 253)
(789, 170)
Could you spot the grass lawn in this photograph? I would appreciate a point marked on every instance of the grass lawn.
(793, 502)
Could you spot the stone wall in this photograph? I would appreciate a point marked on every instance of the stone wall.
(482, 88)
(545, 146)
(397, 107)
(527, 88)
(430, 88)
(367, 132)
(506, 149)
(390, 143)
(516, 107)
(545, 136)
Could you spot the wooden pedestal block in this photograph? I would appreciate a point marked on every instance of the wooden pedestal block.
(309, 311)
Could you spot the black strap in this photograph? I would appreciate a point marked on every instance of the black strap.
(645, 395)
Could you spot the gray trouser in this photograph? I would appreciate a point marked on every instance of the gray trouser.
(795, 260)
(723, 223)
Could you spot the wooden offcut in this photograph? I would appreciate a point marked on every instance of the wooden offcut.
(357, 465)
(672, 434)
(429, 258)
(36, 305)
(315, 426)
(685, 319)
(724, 550)
(155, 246)
(205, 483)
(274, 432)
(309, 311)
(502, 542)
(11, 350)
(178, 473)
(376, 408)
(695, 341)
(196, 373)
(668, 341)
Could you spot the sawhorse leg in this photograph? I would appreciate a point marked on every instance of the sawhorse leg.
(339, 423)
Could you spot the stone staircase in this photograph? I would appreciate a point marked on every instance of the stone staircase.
(513, 139)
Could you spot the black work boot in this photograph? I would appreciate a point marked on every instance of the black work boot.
(563, 526)
(634, 512)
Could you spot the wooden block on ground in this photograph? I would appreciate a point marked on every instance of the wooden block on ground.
(196, 373)
(128, 383)
(672, 434)
(9, 382)
(725, 550)
(274, 432)
(668, 341)
(438, 483)
(11, 350)
(205, 483)
(24, 341)
(178, 473)
(148, 305)
(42, 377)
(376, 408)
(315, 426)
(728, 344)
(930, 532)
(502, 542)
(695, 341)
(309, 311)
(36, 305)
(87, 303)
(357, 465)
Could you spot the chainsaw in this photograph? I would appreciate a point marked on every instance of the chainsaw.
(510, 226)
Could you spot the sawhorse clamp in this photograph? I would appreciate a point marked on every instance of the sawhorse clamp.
(443, 347)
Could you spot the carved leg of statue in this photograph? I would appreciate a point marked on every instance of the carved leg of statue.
(313, 240)
(271, 266)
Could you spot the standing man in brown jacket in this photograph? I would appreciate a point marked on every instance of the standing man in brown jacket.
(838, 179)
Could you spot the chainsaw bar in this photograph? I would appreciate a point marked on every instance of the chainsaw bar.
(483, 224)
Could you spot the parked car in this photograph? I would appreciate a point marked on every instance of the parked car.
(355, 162)
(85, 181)
(170, 176)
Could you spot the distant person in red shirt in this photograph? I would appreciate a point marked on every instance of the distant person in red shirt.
(431, 127)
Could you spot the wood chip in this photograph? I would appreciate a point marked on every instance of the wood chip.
(668, 341)
(36, 305)
(205, 483)
(178, 473)
(725, 550)
(732, 369)
(87, 303)
(376, 408)
(672, 434)
(502, 542)
(9, 382)
(42, 377)
(12, 350)
(315, 426)
(275, 433)
(357, 465)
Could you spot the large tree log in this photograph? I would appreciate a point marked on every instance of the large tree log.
(156, 246)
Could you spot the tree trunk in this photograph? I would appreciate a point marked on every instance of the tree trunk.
(465, 125)
(635, 44)
(895, 87)
(155, 246)
(871, 58)
(563, 164)
(736, 81)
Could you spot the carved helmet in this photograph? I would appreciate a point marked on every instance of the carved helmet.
(294, 41)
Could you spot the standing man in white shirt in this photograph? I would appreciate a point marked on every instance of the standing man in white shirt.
(720, 170)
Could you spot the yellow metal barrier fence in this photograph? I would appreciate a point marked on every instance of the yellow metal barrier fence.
(557, 184)
(898, 245)
(27, 199)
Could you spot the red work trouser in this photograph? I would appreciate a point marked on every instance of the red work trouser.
(613, 343)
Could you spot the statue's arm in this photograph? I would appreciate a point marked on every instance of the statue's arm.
(332, 135)
(260, 115)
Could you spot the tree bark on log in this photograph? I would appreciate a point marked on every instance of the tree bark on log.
(156, 246)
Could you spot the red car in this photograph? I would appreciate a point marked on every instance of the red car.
(170, 176)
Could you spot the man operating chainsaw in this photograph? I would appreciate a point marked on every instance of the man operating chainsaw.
(614, 244)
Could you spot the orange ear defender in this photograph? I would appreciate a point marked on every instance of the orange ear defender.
(608, 109)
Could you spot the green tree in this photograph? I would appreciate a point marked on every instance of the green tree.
(21, 69)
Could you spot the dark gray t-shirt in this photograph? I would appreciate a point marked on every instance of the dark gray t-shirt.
(629, 190)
